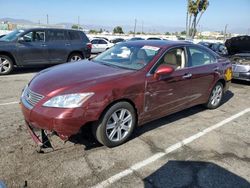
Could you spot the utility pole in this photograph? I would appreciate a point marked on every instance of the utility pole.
(47, 19)
(142, 28)
(225, 32)
(135, 27)
(78, 25)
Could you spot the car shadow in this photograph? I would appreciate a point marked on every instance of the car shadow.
(19, 70)
(193, 174)
(242, 82)
(86, 138)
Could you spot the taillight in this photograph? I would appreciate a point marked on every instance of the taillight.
(89, 45)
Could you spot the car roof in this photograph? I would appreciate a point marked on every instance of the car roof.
(32, 29)
(158, 43)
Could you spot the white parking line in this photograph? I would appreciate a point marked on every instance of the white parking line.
(168, 150)
(9, 103)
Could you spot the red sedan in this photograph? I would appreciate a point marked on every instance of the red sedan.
(126, 86)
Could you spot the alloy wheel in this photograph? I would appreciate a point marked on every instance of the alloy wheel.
(216, 95)
(119, 125)
(75, 58)
(5, 65)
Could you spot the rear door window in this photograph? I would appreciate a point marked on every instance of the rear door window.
(95, 41)
(200, 57)
(102, 42)
(56, 35)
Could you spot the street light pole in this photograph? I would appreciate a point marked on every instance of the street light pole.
(47, 19)
(225, 32)
(78, 25)
(135, 27)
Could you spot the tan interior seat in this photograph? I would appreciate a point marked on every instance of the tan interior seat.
(171, 60)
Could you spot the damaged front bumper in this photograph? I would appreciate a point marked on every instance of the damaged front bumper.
(40, 137)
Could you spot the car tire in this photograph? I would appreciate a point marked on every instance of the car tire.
(116, 124)
(6, 65)
(215, 97)
(75, 57)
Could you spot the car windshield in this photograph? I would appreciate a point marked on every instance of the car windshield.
(12, 36)
(128, 56)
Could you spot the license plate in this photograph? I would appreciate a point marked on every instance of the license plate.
(236, 74)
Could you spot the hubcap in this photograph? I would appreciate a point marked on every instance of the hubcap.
(75, 58)
(119, 125)
(4, 65)
(216, 95)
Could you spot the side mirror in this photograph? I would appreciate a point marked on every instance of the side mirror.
(163, 71)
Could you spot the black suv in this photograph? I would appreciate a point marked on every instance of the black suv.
(42, 46)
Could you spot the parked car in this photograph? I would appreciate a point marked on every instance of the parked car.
(116, 40)
(239, 53)
(154, 38)
(135, 38)
(113, 94)
(40, 46)
(241, 66)
(102, 38)
(219, 48)
(100, 45)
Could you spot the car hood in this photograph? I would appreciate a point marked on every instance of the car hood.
(74, 77)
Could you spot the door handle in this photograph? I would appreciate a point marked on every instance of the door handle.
(188, 75)
(43, 45)
(67, 44)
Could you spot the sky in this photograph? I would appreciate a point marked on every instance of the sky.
(152, 14)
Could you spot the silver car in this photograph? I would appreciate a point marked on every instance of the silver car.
(241, 66)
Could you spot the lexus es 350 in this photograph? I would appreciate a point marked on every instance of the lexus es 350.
(126, 86)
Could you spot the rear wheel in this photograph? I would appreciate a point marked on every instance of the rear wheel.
(116, 125)
(6, 65)
(75, 57)
(215, 96)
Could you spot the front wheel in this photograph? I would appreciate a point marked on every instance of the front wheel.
(116, 125)
(215, 96)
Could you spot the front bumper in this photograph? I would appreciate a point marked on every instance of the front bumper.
(241, 72)
(241, 76)
(64, 122)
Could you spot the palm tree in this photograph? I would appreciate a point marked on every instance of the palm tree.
(194, 8)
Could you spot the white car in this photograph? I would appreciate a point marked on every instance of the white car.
(100, 45)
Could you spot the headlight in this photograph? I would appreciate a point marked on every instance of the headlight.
(68, 101)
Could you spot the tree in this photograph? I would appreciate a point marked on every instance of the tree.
(118, 29)
(92, 31)
(76, 27)
(195, 8)
(183, 33)
(167, 33)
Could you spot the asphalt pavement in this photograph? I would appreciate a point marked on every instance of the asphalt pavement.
(192, 148)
